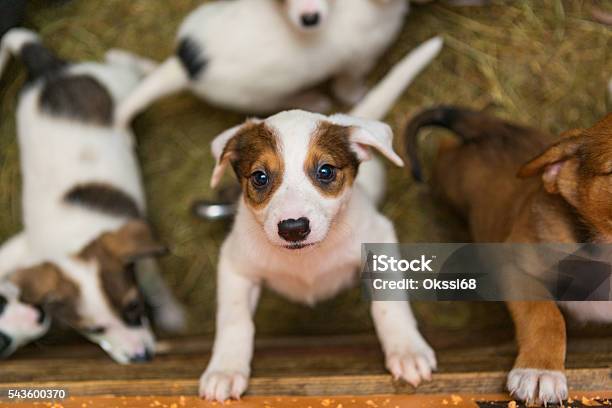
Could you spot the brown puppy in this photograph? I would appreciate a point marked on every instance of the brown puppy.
(489, 175)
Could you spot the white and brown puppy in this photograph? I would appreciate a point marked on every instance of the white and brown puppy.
(20, 323)
(248, 55)
(83, 202)
(308, 203)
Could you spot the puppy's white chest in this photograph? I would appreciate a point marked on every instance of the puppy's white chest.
(308, 283)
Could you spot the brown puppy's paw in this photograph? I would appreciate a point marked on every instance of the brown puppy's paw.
(537, 386)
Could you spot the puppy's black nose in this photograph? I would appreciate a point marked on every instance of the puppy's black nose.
(310, 19)
(143, 357)
(294, 230)
(5, 342)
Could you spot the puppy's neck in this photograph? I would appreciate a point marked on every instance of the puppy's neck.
(555, 220)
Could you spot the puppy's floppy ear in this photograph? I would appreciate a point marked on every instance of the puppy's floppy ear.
(551, 162)
(132, 242)
(366, 134)
(42, 284)
(223, 152)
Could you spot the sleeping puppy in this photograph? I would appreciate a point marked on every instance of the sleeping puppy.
(85, 242)
(562, 195)
(20, 323)
(260, 56)
(307, 205)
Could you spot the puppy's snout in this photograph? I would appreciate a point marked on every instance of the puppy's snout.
(310, 19)
(5, 342)
(294, 230)
(145, 356)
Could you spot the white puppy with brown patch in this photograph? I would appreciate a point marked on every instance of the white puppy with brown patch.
(308, 203)
(83, 203)
(261, 56)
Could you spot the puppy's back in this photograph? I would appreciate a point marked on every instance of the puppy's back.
(475, 170)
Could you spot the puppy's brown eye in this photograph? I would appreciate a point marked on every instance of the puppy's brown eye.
(326, 173)
(259, 179)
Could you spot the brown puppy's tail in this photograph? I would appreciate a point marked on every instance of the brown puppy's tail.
(453, 118)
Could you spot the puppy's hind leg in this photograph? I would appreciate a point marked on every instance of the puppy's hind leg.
(168, 314)
(168, 78)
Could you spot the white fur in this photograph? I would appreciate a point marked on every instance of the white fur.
(253, 254)
(596, 312)
(19, 321)
(58, 154)
(258, 62)
(537, 386)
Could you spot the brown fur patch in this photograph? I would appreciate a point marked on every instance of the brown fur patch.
(118, 281)
(115, 254)
(578, 169)
(255, 148)
(331, 145)
(104, 198)
(45, 285)
(479, 178)
(78, 97)
(540, 333)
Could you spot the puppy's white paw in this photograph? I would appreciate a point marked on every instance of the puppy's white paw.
(537, 386)
(223, 385)
(412, 366)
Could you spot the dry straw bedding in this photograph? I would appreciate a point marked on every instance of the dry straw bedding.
(544, 63)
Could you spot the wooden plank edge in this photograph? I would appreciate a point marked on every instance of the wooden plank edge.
(443, 383)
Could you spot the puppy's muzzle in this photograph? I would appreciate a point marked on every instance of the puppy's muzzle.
(145, 356)
(310, 19)
(292, 230)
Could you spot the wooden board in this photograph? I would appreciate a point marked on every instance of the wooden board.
(378, 401)
(294, 366)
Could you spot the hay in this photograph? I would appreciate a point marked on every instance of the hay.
(544, 63)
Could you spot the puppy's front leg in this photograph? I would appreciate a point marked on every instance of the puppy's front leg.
(538, 375)
(229, 368)
(407, 354)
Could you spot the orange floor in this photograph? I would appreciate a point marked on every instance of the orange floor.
(603, 399)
